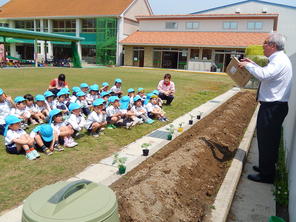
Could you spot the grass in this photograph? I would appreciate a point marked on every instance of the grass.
(20, 177)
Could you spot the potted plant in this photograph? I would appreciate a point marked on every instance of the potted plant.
(120, 162)
(198, 116)
(171, 130)
(191, 119)
(145, 148)
(180, 128)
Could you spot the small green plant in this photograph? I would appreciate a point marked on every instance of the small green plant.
(191, 116)
(145, 145)
(181, 124)
(171, 129)
(119, 161)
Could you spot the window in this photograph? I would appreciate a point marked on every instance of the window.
(28, 25)
(194, 54)
(45, 25)
(206, 54)
(192, 25)
(171, 25)
(4, 25)
(88, 25)
(230, 25)
(255, 25)
(64, 25)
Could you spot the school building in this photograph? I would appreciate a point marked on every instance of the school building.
(195, 42)
(102, 23)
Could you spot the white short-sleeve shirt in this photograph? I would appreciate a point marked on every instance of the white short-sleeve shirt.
(13, 134)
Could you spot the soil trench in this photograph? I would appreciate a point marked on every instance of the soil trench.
(180, 182)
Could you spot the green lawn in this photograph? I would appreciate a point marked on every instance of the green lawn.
(19, 177)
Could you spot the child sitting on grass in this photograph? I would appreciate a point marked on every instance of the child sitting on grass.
(6, 104)
(105, 87)
(84, 87)
(96, 121)
(116, 89)
(125, 109)
(93, 94)
(141, 93)
(45, 139)
(131, 95)
(63, 131)
(76, 120)
(75, 90)
(83, 103)
(60, 103)
(16, 139)
(154, 110)
(49, 100)
(31, 108)
(20, 111)
(140, 111)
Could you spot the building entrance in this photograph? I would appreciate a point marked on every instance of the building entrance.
(170, 60)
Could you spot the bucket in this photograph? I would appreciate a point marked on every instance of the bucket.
(77, 201)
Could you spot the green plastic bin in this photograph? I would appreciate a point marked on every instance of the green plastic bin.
(78, 201)
(275, 219)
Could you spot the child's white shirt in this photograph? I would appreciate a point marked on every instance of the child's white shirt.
(20, 112)
(82, 103)
(90, 98)
(5, 109)
(31, 108)
(13, 134)
(150, 107)
(138, 110)
(57, 126)
(58, 105)
(50, 105)
(77, 122)
(95, 117)
(73, 99)
(115, 89)
(40, 108)
(111, 110)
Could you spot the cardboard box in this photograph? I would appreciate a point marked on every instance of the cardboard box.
(240, 76)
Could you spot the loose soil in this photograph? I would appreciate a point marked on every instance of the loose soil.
(180, 182)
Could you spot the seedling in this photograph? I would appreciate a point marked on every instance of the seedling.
(180, 129)
(145, 147)
(120, 162)
(171, 130)
(198, 116)
(191, 119)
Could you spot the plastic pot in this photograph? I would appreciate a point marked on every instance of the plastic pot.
(145, 152)
(180, 129)
(121, 169)
(190, 122)
(198, 116)
(170, 137)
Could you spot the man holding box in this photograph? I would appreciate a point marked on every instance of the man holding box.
(273, 95)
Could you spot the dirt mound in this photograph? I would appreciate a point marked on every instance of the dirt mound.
(180, 182)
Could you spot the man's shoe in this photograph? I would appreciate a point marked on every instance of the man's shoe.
(257, 169)
(260, 179)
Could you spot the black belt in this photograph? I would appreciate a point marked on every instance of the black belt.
(273, 102)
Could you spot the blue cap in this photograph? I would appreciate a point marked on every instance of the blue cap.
(98, 102)
(1, 91)
(74, 106)
(65, 90)
(61, 93)
(19, 99)
(136, 98)
(112, 99)
(94, 87)
(104, 84)
(80, 93)
(124, 102)
(48, 94)
(118, 81)
(130, 90)
(76, 89)
(46, 132)
(9, 120)
(52, 113)
(39, 98)
(84, 85)
(140, 89)
(155, 92)
(104, 94)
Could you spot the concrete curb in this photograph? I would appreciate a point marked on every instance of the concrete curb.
(105, 173)
(227, 190)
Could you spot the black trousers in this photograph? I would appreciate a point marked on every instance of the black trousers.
(269, 124)
(168, 99)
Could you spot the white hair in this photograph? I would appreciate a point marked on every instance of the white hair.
(278, 39)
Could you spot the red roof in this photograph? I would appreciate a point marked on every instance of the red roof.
(210, 39)
(55, 8)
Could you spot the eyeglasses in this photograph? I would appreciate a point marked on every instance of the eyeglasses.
(267, 43)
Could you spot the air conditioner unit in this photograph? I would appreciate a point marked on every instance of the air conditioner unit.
(237, 10)
(264, 10)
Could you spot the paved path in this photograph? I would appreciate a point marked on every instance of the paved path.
(253, 201)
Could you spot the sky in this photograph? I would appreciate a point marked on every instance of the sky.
(188, 6)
